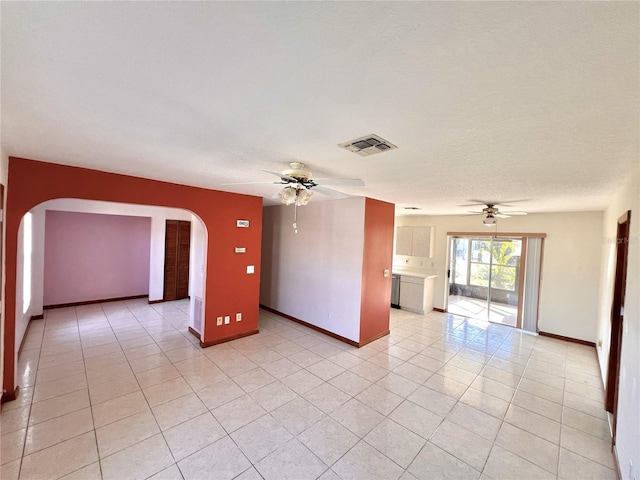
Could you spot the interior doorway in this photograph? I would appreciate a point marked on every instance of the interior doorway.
(176, 259)
(485, 278)
(617, 317)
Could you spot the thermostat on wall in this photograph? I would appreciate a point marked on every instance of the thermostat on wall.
(242, 223)
(241, 250)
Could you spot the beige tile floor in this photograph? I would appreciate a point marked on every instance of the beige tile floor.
(121, 391)
(476, 308)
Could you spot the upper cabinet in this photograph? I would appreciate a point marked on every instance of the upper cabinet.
(414, 241)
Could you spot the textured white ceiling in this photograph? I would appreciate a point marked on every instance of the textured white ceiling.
(497, 101)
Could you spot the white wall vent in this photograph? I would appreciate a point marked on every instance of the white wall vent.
(197, 315)
(368, 145)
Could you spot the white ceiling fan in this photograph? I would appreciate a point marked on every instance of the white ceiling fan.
(491, 211)
(298, 183)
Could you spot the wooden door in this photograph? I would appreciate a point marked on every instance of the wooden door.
(617, 317)
(176, 260)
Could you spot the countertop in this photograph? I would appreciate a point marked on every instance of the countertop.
(408, 272)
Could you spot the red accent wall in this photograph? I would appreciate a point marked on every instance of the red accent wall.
(229, 289)
(377, 257)
(90, 256)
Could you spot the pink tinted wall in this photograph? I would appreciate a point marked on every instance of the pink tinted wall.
(95, 257)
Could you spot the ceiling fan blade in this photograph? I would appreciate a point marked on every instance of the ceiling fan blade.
(355, 182)
(500, 215)
(253, 183)
(504, 203)
(282, 176)
(477, 202)
(514, 213)
(329, 192)
(475, 213)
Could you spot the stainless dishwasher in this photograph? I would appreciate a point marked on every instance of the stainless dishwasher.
(395, 291)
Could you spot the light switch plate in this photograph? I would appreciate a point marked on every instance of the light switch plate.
(219, 321)
(227, 319)
(250, 269)
(238, 317)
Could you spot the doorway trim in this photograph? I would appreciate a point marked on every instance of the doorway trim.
(617, 318)
(494, 235)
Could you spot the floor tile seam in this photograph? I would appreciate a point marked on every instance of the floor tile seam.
(590, 459)
(150, 409)
(586, 433)
(121, 418)
(562, 413)
(363, 439)
(123, 448)
(59, 415)
(166, 401)
(92, 429)
(584, 413)
(537, 396)
(238, 429)
(531, 461)
(24, 442)
(503, 421)
(225, 403)
(429, 442)
(533, 433)
(93, 424)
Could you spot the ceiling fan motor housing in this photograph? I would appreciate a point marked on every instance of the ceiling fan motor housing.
(490, 210)
(298, 170)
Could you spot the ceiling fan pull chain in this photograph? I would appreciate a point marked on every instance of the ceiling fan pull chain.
(295, 217)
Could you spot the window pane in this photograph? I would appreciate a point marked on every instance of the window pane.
(479, 275)
(461, 252)
(507, 252)
(481, 251)
(503, 278)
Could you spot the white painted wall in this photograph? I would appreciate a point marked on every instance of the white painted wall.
(570, 273)
(316, 274)
(29, 294)
(197, 272)
(628, 425)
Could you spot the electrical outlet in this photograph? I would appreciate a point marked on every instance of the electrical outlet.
(238, 317)
(227, 319)
(219, 321)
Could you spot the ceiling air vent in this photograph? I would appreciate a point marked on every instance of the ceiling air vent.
(368, 145)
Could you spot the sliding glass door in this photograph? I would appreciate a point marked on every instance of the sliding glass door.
(484, 279)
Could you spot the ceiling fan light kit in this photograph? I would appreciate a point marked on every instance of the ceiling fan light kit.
(489, 220)
(298, 182)
(298, 195)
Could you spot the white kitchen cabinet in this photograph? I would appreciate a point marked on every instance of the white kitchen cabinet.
(416, 293)
(414, 241)
(404, 240)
